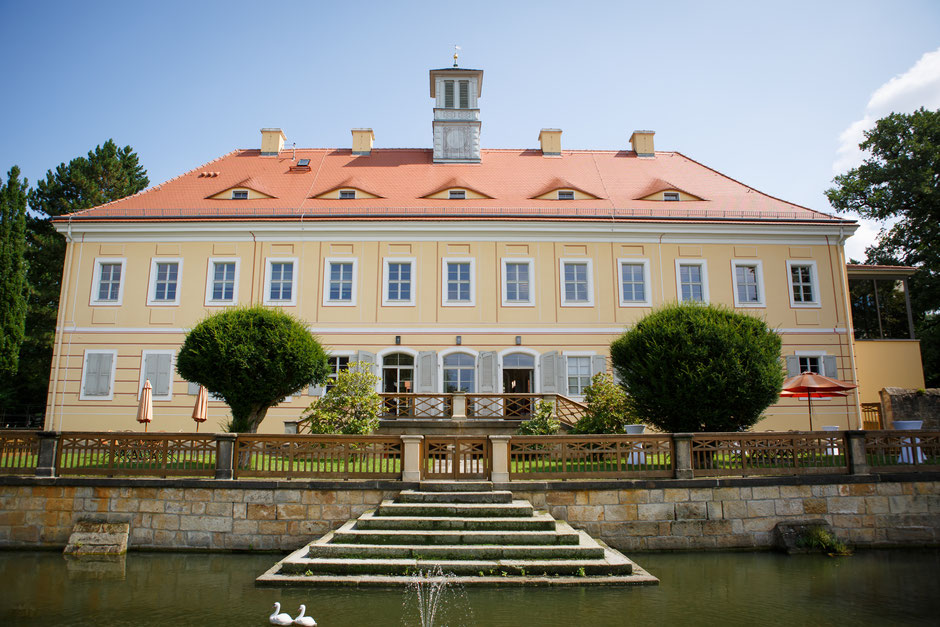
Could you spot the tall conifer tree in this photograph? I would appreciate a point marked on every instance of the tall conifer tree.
(12, 270)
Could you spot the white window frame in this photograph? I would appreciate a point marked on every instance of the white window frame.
(566, 192)
(816, 303)
(692, 262)
(140, 384)
(505, 282)
(590, 281)
(268, 267)
(461, 194)
(96, 280)
(589, 355)
(327, 267)
(672, 197)
(759, 272)
(647, 282)
(450, 351)
(536, 372)
(473, 282)
(350, 355)
(340, 192)
(152, 286)
(210, 276)
(821, 356)
(386, 278)
(81, 390)
(240, 190)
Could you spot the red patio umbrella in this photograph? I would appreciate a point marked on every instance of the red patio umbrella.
(201, 410)
(810, 385)
(145, 407)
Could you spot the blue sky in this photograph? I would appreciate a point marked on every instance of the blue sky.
(772, 95)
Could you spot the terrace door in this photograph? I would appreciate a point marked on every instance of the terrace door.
(518, 378)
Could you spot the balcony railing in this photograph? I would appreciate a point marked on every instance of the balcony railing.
(478, 406)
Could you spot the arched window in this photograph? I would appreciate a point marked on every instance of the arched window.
(459, 373)
(518, 360)
(398, 373)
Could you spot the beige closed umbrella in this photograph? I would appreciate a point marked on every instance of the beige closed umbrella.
(201, 410)
(145, 406)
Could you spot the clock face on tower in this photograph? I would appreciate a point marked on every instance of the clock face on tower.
(456, 143)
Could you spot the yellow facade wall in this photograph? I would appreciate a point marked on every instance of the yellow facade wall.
(429, 324)
(887, 363)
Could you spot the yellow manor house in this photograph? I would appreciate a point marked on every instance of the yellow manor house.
(451, 268)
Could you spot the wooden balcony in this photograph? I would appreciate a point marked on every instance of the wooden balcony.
(477, 407)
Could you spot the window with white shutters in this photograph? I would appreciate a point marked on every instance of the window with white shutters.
(98, 375)
(157, 367)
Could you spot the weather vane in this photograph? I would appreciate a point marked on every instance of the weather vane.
(456, 50)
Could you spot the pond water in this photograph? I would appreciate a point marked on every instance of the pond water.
(899, 587)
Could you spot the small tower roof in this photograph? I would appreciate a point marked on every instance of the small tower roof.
(456, 72)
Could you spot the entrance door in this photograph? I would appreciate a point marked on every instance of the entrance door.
(518, 378)
(398, 370)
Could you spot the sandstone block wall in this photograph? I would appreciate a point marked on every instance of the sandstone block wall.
(902, 404)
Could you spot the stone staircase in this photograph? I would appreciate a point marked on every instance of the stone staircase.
(479, 535)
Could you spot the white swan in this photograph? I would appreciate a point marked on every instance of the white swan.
(306, 621)
(279, 618)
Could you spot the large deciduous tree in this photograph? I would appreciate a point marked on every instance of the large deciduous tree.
(252, 358)
(691, 367)
(13, 284)
(900, 179)
(107, 173)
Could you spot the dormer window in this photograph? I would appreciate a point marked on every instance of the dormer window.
(239, 194)
(457, 194)
(347, 194)
(671, 196)
(565, 194)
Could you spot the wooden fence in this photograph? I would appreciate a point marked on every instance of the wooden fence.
(502, 458)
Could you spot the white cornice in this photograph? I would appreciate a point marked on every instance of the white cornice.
(460, 230)
(432, 330)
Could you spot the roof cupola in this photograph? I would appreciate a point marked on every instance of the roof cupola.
(456, 122)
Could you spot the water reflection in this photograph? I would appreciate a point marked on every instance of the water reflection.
(888, 587)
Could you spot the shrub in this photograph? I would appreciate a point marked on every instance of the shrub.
(607, 407)
(350, 407)
(691, 367)
(252, 358)
(542, 422)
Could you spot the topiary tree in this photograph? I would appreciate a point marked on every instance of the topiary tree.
(350, 407)
(542, 422)
(607, 407)
(252, 358)
(691, 367)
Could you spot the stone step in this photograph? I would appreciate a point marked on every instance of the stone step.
(433, 510)
(350, 534)
(456, 552)
(274, 579)
(417, 496)
(339, 566)
(535, 522)
(456, 486)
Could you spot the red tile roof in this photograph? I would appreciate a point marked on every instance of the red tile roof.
(401, 177)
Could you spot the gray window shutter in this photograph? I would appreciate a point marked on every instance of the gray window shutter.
(316, 390)
(367, 357)
(98, 374)
(561, 375)
(830, 367)
(488, 373)
(551, 363)
(192, 388)
(598, 364)
(157, 371)
(427, 373)
(793, 366)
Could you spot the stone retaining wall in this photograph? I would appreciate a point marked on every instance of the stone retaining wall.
(886, 510)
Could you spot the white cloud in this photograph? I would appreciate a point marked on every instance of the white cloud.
(915, 88)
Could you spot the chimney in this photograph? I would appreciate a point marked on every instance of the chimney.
(362, 139)
(550, 138)
(272, 141)
(643, 143)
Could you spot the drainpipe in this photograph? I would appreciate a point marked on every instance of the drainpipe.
(254, 263)
(849, 325)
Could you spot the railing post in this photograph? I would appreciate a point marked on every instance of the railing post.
(45, 463)
(460, 406)
(858, 460)
(411, 457)
(682, 447)
(225, 455)
(499, 445)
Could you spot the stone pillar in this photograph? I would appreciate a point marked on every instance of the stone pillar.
(858, 462)
(225, 455)
(411, 457)
(45, 464)
(460, 406)
(499, 469)
(682, 449)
